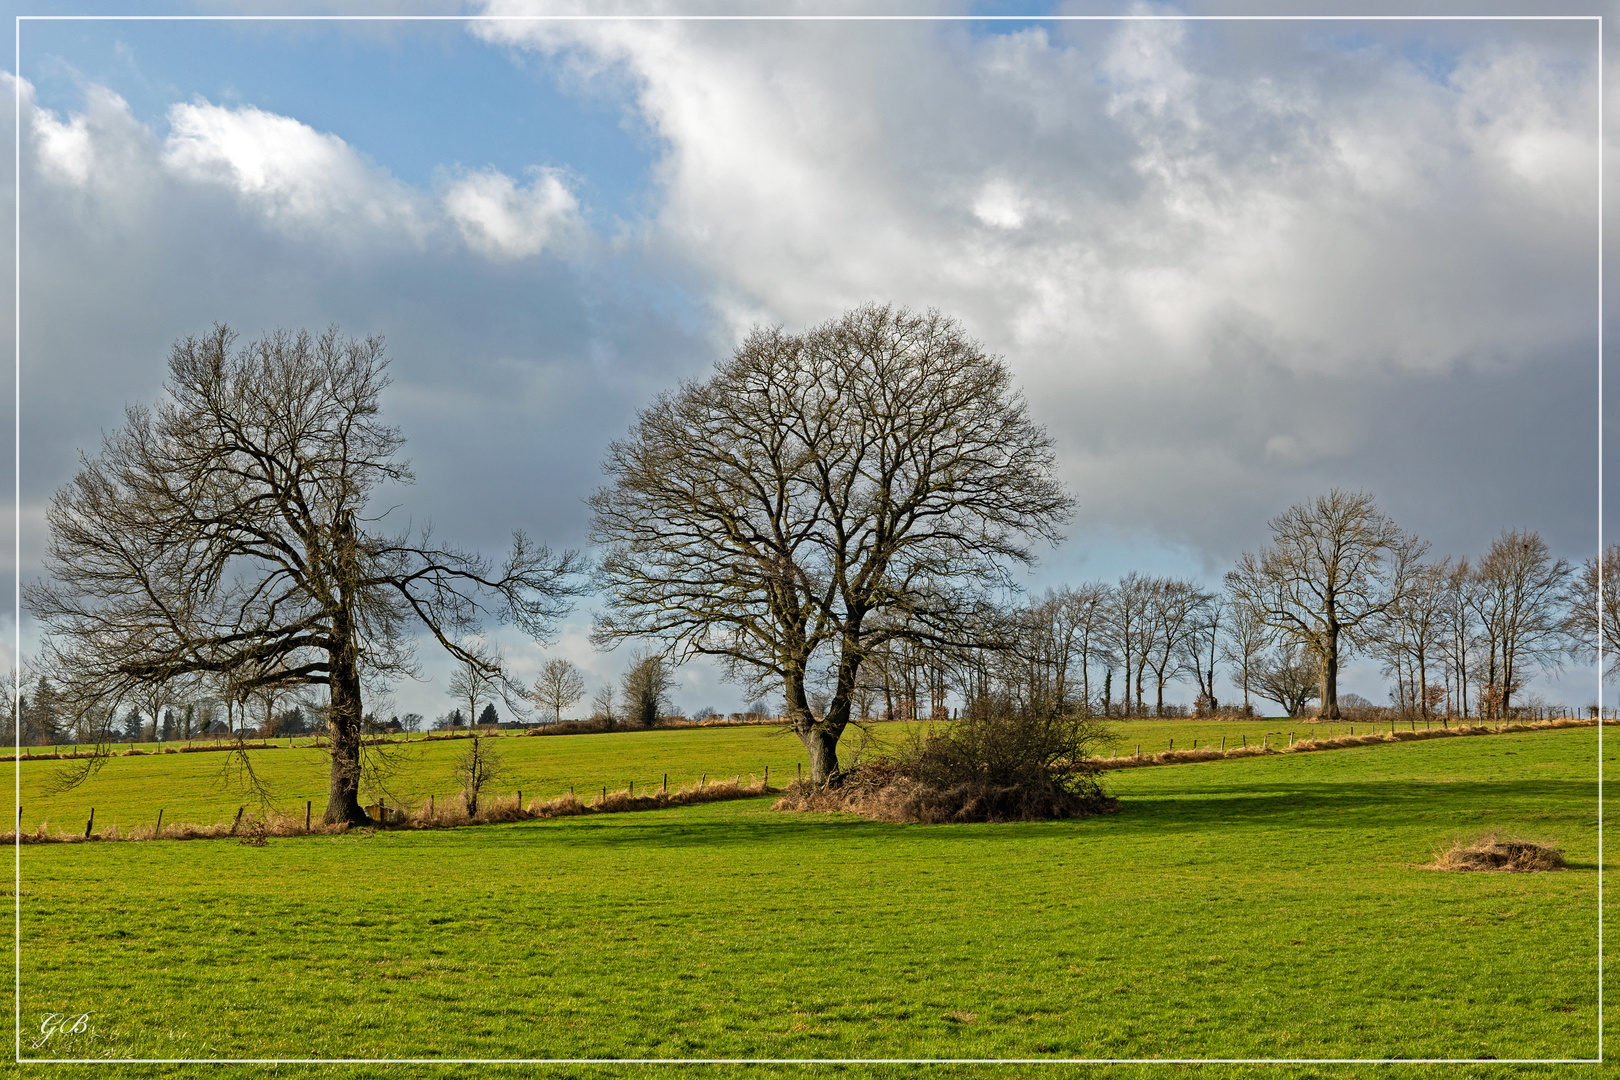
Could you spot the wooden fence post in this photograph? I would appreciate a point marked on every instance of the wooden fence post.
(159, 830)
(309, 804)
(666, 783)
(89, 823)
(766, 785)
(238, 821)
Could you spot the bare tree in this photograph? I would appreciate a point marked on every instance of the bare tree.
(1323, 580)
(1458, 629)
(558, 686)
(1247, 638)
(1287, 675)
(1412, 632)
(1172, 615)
(603, 706)
(481, 676)
(1201, 648)
(223, 532)
(1521, 606)
(877, 463)
(1592, 616)
(1127, 617)
(647, 684)
(479, 766)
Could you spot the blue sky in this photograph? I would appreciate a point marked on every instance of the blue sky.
(1230, 264)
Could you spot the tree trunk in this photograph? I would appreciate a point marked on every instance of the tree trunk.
(1330, 678)
(343, 794)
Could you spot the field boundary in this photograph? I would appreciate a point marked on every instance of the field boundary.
(1338, 742)
(254, 829)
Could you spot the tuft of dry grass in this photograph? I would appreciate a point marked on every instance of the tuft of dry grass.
(1510, 854)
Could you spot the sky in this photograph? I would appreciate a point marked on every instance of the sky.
(1231, 264)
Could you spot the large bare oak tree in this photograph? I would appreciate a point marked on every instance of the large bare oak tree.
(223, 532)
(822, 493)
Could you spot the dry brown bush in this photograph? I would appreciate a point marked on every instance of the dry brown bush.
(1000, 763)
(1510, 854)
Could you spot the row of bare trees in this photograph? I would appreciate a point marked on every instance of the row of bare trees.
(1457, 636)
(834, 514)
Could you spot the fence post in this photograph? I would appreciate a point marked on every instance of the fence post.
(89, 823)
(238, 821)
(308, 805)
(666, 783)
(520, 800)
(159, 830)
(766, 785)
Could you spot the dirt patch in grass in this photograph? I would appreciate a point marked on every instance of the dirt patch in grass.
(1510, 854)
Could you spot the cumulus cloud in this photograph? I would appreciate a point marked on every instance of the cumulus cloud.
(290, 172)
(1232, 243)
(296, 179)
(500, 219)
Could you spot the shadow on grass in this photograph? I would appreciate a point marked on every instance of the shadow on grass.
(1315, 806)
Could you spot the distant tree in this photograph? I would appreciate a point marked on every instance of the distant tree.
(1592, 612)
(1410, 636)
(41, 715)
(134, 728)
(1201, 648)
(1247, 638)
(489, 716)
(646, 689)
(412, 721)
(224, 532)
(1288, 675)
(1173, 611)
(480, 765)
(559, 685)
(1324, 581)
(603, 706)
(1127, 627)
(772, 515)
(1520, 600)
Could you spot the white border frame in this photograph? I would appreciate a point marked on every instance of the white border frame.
(17, 526)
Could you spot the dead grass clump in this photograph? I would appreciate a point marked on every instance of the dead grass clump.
(1505, 853)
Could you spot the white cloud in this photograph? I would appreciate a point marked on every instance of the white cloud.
(1139, 208)
(292, 173)
(504, 221)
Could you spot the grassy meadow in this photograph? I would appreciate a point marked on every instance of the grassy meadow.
(1255, 908)
(206, 788)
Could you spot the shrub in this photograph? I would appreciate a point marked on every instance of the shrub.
(1001, 762)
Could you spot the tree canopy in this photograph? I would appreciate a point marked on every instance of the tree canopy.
(224, 532)
(869, 479)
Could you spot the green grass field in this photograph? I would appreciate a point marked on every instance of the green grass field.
(1256, 908)
(129, 791)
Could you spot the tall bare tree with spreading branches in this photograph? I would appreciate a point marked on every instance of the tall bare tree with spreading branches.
(770, 516)
(224, 533)
(1324, 580)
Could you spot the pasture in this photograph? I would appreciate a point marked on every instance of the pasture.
(205, 788)
(1255, 908)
